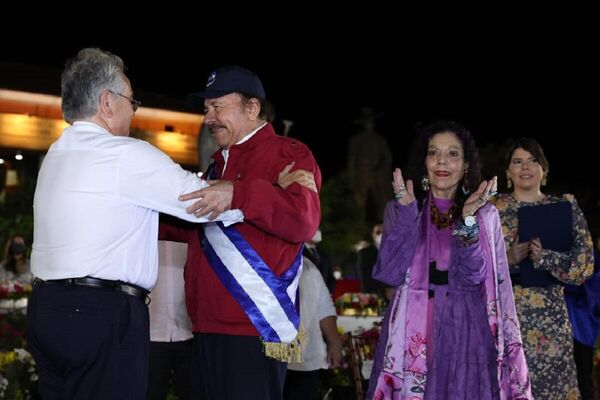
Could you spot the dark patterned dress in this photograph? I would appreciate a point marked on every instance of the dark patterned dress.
(545, 326)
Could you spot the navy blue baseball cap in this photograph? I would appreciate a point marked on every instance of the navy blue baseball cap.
(232, 79)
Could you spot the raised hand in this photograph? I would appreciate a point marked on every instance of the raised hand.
(404, 194)
(477, 199)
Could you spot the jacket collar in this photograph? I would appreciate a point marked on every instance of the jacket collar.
(261, 136)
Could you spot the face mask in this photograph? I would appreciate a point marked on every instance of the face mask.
(337, 274)
(317, 237)
(377, 239)
(17, 248)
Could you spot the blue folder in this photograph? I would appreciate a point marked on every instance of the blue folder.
(553, 224)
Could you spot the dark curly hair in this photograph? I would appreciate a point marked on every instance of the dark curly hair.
(416, 167)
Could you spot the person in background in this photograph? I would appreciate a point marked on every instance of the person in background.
(16, 264)
(541, 308)
(170, 327)
(366, 259)
(318, 318)
(95, 258)
(241, 289)
(583, 304)
(320, 259)
(451, 331)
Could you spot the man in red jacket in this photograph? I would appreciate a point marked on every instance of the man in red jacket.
(242, 281)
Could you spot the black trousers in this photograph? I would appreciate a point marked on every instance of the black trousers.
(301, 385)
(584, 359)
(88, 343)
(235, 368)
(170, 359)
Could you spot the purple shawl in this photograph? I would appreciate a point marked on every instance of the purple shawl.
(400, 370)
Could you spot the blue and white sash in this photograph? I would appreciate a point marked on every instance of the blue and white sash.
(269, 301)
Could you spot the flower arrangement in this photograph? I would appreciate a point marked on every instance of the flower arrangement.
(18, 378)
(360, 304)
(10, 289)
(14, 294)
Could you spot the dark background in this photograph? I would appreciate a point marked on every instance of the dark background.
(501, 84)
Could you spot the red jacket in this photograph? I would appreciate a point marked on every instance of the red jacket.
(276, 224)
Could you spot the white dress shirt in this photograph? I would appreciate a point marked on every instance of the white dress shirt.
(315, 304)
(169, 320)
(96, 206)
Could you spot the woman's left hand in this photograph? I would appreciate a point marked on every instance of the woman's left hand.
(486, 190)
(535, 249)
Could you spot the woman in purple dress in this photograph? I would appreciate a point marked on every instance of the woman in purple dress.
(451, 331)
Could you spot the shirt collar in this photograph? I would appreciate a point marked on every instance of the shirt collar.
(91, 125)
(225, 152)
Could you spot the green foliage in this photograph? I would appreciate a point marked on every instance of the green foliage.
(342, 222)
(16, 213)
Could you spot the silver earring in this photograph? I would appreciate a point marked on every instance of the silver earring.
(425, 183)
(465, 190)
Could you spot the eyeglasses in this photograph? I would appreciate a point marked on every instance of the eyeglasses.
(134, 103)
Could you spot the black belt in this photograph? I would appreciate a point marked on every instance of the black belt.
(89, 281)
(436, 277)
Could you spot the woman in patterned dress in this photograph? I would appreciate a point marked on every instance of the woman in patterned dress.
(541, 308)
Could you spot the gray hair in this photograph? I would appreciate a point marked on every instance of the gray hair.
(85, 77)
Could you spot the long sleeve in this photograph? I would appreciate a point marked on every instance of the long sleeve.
(514, 375)
(400, 233)
(149, 178)
(471, 265)
(292, 214)
(575, 266)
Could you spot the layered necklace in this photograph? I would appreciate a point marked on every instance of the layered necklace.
(442, 219)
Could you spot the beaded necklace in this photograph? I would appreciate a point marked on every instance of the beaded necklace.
(442, 219)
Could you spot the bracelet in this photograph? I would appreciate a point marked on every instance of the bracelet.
(466, 234)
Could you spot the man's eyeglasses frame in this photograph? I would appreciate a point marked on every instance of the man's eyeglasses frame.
(135, 104)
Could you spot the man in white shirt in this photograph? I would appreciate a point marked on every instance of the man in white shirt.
(96, 209)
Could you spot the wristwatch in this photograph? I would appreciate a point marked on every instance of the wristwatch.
(470, 220)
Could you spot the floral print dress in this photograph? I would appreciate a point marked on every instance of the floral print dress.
(542, 312)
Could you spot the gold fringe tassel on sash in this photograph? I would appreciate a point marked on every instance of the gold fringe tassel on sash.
(286, 352)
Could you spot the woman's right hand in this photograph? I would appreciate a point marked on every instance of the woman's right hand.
(404, 194)
(517, 252)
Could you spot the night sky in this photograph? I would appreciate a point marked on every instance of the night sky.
(540, 86)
